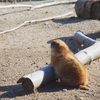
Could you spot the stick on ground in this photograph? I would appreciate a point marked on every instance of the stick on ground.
(36, 21)
(33, 7)
(52, 4)
(16, 6)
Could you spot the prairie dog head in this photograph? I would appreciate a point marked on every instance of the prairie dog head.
(59, 45)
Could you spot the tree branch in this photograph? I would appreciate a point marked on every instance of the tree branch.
(32, 7)
(36, 21)
(15, 6)
(52, 4)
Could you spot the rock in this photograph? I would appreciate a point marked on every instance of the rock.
(65, 90)
(82, 98)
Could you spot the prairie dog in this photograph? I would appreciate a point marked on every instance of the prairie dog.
(68, 68)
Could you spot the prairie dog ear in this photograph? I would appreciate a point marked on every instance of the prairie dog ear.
(54, 44)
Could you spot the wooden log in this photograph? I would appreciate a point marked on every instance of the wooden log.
(46, 74)
(95, 10)
(36, 79)
(88, 9)
(82, 39)
(89, 54)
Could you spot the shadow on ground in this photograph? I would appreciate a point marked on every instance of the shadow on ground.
(54, 87)
(95, 35)
(11, 91)
(68, 20)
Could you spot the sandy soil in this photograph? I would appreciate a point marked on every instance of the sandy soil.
(27, 49)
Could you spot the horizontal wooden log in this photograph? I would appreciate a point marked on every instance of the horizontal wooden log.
(46, 74)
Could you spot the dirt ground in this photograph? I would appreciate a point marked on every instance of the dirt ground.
(27, 49)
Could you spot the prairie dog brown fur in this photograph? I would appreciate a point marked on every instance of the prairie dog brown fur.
(68, 68)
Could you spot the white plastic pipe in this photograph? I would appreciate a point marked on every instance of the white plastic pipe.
(89, 54)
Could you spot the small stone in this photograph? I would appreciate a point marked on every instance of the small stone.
(46, 12)
(34, 63)
(28, 48)
(37, 66)
(5, 18)
(81, 98)
(98, 84)
(65, 90)
(46, 63)
(4, 80)
(58, 98)
(46, 23)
